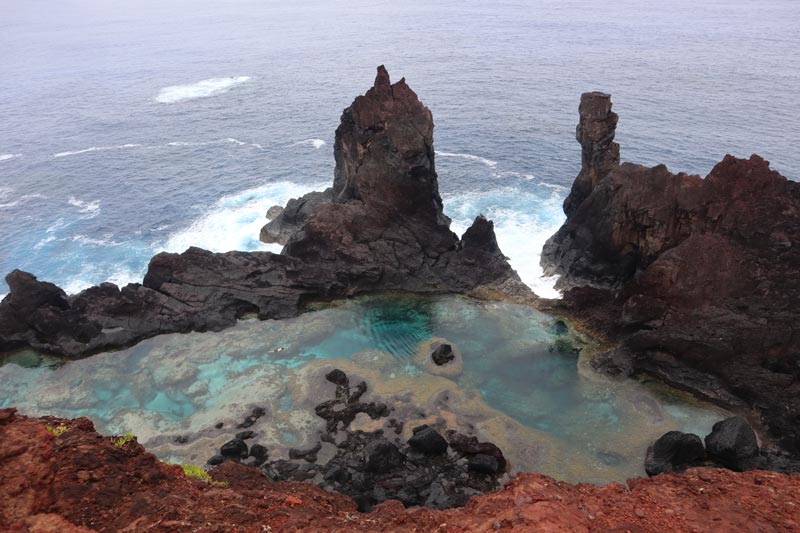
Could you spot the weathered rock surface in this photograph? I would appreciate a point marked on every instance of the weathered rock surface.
(80, 482)
(733, 443)
(384, 229)
(674, 451)
(697, 278)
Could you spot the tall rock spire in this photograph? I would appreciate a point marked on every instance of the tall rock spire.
(599, 152)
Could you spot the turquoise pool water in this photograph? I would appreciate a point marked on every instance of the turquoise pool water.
(511, 384)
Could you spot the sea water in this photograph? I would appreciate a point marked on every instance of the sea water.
(510, 384)
(132, 128)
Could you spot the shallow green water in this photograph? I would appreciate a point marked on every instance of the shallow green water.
(551, 415)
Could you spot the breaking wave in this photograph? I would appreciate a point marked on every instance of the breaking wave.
(200, 89)
(488, 162)
(316, 143)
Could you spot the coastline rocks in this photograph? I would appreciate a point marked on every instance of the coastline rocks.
(696, 279)
(235, 448)
(372, 467)
(427, 440)
(286, 221)
(733, 443)
(674, 452)
(380, 227)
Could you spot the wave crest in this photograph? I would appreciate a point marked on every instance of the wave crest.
(200, 89)
(488, 162)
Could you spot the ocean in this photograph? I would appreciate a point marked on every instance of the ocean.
(129, 128)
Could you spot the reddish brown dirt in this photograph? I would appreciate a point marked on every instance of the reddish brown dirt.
(80, 481)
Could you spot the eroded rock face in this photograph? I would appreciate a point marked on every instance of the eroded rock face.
(698, 279)
(599, 152)
(380, 227)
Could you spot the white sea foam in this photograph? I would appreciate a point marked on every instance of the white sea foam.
(21, 200)
(82, 280)
(96, 149)
(84, 206)
(90, 241)
(523, 221)
(41, 244)
(316, 143)
(227, 140)
(9, 157)
(200, 89)
(234, 222)
(488, 162)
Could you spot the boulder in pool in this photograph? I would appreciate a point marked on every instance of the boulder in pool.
(673, 451)
(443, 354)
(733, 443)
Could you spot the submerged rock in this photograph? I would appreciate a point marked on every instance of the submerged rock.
(733, 443)
(696, 279)
(380, 227)
(674, 451)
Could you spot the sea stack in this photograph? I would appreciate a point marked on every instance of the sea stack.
(599, 152)
(697, 278)
(379, 227)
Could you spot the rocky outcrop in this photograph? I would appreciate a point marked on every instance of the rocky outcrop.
(80, 481)
(697, 278)
(290, 219)
(383, 229)
(599, 152)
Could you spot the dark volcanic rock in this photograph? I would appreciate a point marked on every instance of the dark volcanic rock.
(698, 280)
(599, 152)
(733, 443)
(380, 227)
(235, 448)
(372, 468)
(674, 451)
(443, 354)
(291, 218)
(427, 440)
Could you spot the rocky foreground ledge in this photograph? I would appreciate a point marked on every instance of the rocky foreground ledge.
(79, 481)
(381, 228)
(696, 280)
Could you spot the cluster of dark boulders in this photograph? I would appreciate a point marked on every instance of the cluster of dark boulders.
(428, 470)
(732, 444)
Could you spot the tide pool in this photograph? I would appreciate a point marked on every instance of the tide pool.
(516, 382)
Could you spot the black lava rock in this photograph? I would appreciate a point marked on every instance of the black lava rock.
(235, 448)
(732, 442)
(382, 456)
(337, 377)
(427, 440)
(244, 435)
(483, 464)
(673, 451)
(259, 453)
(216, 460)
(443, 354)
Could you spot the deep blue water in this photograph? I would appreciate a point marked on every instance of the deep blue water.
(159, 169)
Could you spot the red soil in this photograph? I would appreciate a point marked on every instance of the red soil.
(80, 481)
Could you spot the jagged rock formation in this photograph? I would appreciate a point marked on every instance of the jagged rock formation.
(80, 481)
(384, 230)
(698, 278)
(599, 152)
